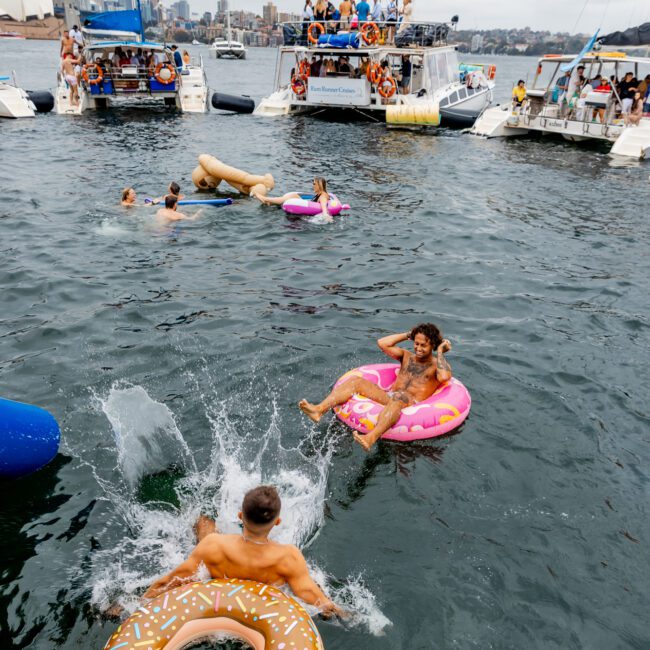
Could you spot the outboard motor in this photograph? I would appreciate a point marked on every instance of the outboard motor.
(233, 103)
(42, 100)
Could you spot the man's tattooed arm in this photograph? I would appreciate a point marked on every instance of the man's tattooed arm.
(443, 369)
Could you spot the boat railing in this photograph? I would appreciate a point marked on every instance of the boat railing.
(128, 79)
(401, 34)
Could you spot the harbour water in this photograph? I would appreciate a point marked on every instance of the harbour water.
(174, 362)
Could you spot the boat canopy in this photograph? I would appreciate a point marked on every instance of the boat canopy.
(102, 45)
(121, 21)
(632, 37)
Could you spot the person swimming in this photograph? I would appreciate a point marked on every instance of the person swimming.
(249, 555)
(128, 197)
(174, 188)
(419, 376)
(170, 213)
(320, 196)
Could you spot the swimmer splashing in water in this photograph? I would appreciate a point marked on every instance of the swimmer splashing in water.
(420, 374)
(250, 555)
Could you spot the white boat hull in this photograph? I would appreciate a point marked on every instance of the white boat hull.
(15, 103)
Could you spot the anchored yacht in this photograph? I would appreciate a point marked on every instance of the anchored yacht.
(227, 47)
(118, 67)
(593, 114)
(413, 81)
(16, 102)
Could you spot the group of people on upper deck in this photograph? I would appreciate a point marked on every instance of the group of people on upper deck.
(572, 90)
(352, 14)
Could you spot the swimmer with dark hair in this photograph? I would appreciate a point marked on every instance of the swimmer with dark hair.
(170, 212)
(420, 375)
(174, 189)
(249, 555)
(128, 197)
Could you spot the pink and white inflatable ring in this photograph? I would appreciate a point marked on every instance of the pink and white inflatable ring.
(441, 413)
(304, 207)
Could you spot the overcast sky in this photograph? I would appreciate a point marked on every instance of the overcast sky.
(554, 15)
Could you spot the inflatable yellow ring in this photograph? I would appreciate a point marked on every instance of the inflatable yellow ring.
(261, 615)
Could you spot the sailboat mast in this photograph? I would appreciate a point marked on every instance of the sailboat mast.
(228, 25)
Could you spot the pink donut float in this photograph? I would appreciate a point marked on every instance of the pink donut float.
(441, 413)
(305, 207)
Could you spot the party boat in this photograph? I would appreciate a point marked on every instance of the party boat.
(367, 74)
(596, 116)
(104, 83)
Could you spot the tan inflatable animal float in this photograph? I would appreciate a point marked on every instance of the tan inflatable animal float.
(261, 615)
(211, 170)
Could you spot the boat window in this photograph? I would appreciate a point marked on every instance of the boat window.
(462, 94)
(453, 98)
(444, 101)
(443, 69)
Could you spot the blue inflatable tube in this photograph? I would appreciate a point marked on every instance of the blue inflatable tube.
(218, 202)
(29, 438)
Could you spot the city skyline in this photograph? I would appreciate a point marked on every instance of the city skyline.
(552, 15)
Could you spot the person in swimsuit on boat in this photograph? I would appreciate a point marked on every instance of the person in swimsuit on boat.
(320, 196)
(128, 197)
(250, 555)
(68, 65)
(420, 375)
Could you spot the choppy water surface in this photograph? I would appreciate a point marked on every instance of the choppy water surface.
(174, 361)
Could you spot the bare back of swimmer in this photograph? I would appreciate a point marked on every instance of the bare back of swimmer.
(251, 555)
(169, 213)
(419, 376)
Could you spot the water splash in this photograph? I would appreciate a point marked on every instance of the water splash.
(160, 533)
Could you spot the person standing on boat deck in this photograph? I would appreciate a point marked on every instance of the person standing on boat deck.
(320, 11)
(363, 10)
(407, 12)
(391, 20)
(377, 13)
(575, 83)
(419, 376)
(67, 45)
(561, 86)
(407, 68)
(178, 59)
(77, 37)
(70, 75)
(626, 90)
(307, 17)
(345, 9)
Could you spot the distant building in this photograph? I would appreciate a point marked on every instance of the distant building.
(222, 6)
(270, 13)
(476, 43)
(181, 9)
(26, 9)
(207, 18)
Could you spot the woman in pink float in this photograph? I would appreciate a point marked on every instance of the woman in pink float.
(421, 374)
(320, 196)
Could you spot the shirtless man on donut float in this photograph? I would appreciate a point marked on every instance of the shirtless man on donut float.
(250, 555)
(420, 374)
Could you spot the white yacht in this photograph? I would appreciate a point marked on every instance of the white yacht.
(111, 78)
(596, 115)
(366, 75)
(227, 47)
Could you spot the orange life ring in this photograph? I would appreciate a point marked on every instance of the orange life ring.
(492, 72)
(94, 81)
(298, 85)
(314, 39)
(370, 33)
(387, 93)
(169, 67)
(373, 73)
(304, 68)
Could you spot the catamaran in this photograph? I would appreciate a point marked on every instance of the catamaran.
(413, 81)
(121, 68)
(227, 47)
(595, 115)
